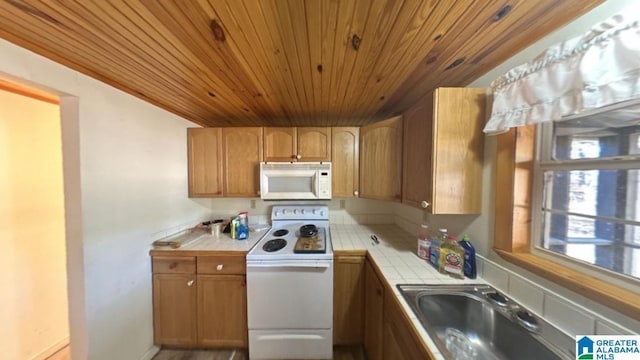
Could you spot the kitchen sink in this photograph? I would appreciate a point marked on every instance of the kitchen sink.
(477, 322)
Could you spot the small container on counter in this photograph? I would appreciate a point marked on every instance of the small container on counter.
(452, 258)
(434, 249)
(470, 269)
(424, 242)
(242, 227)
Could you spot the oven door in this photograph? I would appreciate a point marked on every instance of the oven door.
(290, 309)
(289, 184)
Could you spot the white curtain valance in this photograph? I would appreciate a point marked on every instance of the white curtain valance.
(575, 78)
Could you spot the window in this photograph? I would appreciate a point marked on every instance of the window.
(587, 183)
(518, 242)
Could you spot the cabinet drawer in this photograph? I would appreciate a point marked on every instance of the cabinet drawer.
(222, 265)
(174, 265)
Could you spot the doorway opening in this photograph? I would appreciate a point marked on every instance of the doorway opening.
(40, 224)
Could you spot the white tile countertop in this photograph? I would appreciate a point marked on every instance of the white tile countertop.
(396, 258)
(194, 241)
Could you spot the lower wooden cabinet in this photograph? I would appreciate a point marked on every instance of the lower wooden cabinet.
(348, 299)
(201, 301)
(388, 332)
(222, 311)
(373, 309)
(400, 342)
(206, 307)
(174, 309)
(391, 347)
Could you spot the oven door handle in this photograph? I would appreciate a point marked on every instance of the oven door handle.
(290, 265)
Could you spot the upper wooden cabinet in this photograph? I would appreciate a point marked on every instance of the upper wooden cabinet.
(307, 144)
(314, 143)
(443, 152)
(345, 157)
(381, 160)
(242, 154)
(205, 162)
(280, 144)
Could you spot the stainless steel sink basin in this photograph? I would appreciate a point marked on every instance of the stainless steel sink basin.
(476, 322)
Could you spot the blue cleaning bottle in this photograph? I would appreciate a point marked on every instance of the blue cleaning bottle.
(470, 269)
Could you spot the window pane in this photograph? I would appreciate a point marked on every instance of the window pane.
(590, 209)
(606, 193)
(586, 139)
(607, 244)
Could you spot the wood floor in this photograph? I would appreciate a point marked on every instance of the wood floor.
(339, 353)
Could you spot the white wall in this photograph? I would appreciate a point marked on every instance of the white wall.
(563, 307)
(33, 303)
(133, 186)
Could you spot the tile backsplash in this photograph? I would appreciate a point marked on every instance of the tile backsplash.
(530, 295)
(342, 211)
(570, 316)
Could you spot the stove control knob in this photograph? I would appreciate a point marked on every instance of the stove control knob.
(295, 211)
(313, 211)
(302, 211)
(284, 211)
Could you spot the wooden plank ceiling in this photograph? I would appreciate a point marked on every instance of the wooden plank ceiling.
(278, 62)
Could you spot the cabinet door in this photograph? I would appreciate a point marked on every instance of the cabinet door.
(174, 309)
(345, 156)
(204, 149)
(373, 319)
(314, 144)
(416, 167)
(400, 339)
(381, 160)
(222, 311)
(392, 349)
(348, 300)
(458, 145)
(242, 152)
(280, 144)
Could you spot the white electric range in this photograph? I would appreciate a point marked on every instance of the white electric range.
(290, 286)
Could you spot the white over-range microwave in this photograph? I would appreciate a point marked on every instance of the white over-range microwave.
(295, 181)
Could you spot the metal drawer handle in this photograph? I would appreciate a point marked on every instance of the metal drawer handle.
(190, 282)
(219, 267)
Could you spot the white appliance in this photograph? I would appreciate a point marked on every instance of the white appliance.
(295, 181)
(290, 286)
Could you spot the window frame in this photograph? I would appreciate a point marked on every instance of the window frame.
(545, 161)
(516, 153)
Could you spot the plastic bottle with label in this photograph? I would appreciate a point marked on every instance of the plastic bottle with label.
(434, 249)
(424, 242)
(452, 258)
(470, 269)
(243, 226)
